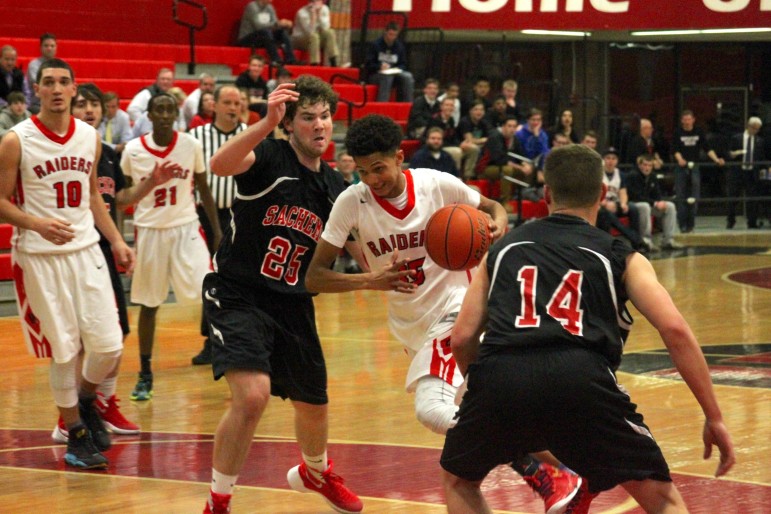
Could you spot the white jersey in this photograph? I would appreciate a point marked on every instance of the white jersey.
(54, 182)
(380, 228)
(613, 181)
(170, 204)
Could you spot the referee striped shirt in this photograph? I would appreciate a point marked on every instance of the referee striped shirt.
(223, 189)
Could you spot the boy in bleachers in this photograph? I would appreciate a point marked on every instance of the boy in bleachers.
(47, 51)
(15, 112)
(387, 66)
(313, 32)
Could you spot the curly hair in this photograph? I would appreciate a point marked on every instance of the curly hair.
(371, 134)
(312, 90)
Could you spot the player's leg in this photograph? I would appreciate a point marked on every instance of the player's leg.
(656, 496)
(463, 496)
(143, 390)
(435, 403)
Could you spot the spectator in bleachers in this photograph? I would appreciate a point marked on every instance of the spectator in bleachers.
(534, 139)
(386, 65)
(644, 142)
(313, 32)
(423, 109)
(450, 135)
(452, 91)
(247, 116)
(590, 140)
(11, 77)
(479, 92)
(564, 126)
(474, 129)
(143, 125)
(347, 168)
(251, 80)
(261, 27)
(13, 113)
(496, 160)
(645, 192)
(688, 144)
(163, 82)
(206, 84)
(205, 112)
(116, 125)
(432, 156)
(497, 115)
(283, 76)
(47, 51)
(509, 90)
(616, 204)
(747, 148)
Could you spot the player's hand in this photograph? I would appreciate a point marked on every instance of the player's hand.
(124, 256)
(716, 433)
(162, 173)
(57, 231)
(393, 276)
(277, 102)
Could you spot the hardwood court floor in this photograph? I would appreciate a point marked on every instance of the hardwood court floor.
(377, 445)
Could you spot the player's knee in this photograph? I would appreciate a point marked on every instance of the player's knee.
(436, 414)
(98, 365)
(64, 383)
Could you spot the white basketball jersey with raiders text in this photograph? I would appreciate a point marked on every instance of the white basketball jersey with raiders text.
(170, 204)
(54, 182)
(380, 228)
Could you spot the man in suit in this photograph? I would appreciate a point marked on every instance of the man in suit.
(747, 149)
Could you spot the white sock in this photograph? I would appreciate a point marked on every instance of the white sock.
(107, 387)
(317, 464)
(221, 483)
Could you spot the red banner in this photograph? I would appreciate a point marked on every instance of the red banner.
(575, 14)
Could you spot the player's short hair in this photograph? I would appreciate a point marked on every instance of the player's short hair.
(92, 93)
(156, 97)
(55, 64)
(312, 91)
(372, 134)
(574, 175)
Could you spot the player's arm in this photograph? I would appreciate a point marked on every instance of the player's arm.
(236, 155)
(320, 278)
(500, 220)
(209, 207)
(471, 321)
(160, 175)
(354, 250)
(654, 302)
(54, 230)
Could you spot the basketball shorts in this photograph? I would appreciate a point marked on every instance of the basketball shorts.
(258, 330)
(117, 287)
(64, 299)
(176, 257)
(563, 399)
(435, 359)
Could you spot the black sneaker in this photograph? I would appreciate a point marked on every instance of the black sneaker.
(143, 391)
(204, 357)
(81, 451)
(92, 420)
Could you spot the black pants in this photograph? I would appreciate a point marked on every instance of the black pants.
(269, 40)
(740, 180)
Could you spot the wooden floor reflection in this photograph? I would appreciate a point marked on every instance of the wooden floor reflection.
(377, 445)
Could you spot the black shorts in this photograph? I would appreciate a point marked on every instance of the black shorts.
(255, 330)
(561, 399)
(117, 286)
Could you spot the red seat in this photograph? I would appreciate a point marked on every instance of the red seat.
(6, 267)
(409, 147)
(531, 209)
(6, 233)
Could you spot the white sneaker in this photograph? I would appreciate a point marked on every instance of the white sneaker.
(60, 434)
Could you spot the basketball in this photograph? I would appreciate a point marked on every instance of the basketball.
(457, 237)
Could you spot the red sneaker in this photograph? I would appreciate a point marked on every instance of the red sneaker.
(112, 417)
(60, 433)
(331, 487)
(218, 503)
(581, 501)
(557, 487)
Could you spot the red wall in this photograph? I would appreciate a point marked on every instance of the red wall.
(128, 20)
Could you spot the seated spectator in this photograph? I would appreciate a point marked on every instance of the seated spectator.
(347, 168)
(247, 115)
(423, 109)
(163, 82)
(474, 129)
(261, 28)
(616, 204)
(564, 126)
(283, 76)
(590, 139)
(497, 115)
(644, 143)
(13, 113)
(115, 128)
(534, 139)
(450, 135)
(11, 77)
(432, 156)
(205, 112)
(144, 126)
(497, 160)
(206, 84)
(479, 92)
(452, 91)
(47, 51)
(509, 90)
(386, 66)
(251, 80)
(645, 192)
(313, 32)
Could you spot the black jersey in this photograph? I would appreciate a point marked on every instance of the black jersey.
(278, 216)
(111, 180)
(558, 281)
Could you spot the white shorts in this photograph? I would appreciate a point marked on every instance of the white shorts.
(434, 358)
(64, 299)
(175, 256)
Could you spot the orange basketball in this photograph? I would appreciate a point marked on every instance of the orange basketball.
(457, 237)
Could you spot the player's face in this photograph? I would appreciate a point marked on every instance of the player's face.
(228, 105)
(163, 114)
(382, 173)
(310, 131)
(56, 90)
(89, 111)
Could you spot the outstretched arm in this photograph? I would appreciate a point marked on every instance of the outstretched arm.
(471, 321)
(654, 302)
(500, 220)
